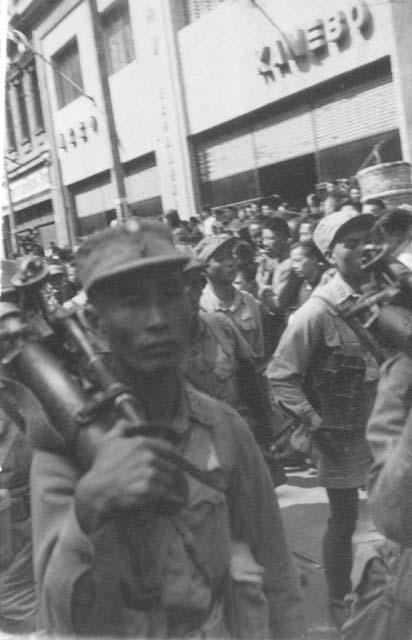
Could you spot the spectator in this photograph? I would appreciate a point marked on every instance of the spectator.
(209, 219)
(375, 206)
(306, 230)
(278, 284)
(309, 265)
(355, 194)
(255, 231)
(331, 204)
(314, 203)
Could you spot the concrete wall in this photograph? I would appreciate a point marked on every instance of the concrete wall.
(402, 71)
(132, 90)
(92, 156)
(221, 53)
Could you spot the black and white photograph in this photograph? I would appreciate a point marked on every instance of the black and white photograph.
(206, 320)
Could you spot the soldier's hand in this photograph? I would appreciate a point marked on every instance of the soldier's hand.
(127, 473)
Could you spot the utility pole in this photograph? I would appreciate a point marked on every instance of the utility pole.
(117, 169)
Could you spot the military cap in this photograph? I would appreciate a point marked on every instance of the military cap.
(339, 221)
(131, 246)
(209, 245)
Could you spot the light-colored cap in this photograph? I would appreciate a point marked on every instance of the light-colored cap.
(339, 221)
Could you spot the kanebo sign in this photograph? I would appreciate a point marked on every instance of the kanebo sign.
(312, 39)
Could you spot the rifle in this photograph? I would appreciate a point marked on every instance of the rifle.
(384, 314)
(80, 421)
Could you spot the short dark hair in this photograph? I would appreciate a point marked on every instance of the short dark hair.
(395, 220)
(248, 270)
(243, 252)
(377, 202)
(309, 249)
(279, 226)
(348, 202)
(173, 218)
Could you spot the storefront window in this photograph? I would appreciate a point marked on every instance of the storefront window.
(67, 62)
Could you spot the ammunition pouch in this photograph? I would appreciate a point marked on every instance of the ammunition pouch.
(344, 382)
(340, 389)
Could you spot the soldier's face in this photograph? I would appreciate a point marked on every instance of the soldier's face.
(347, 255)
(146, 323)
(221, 266)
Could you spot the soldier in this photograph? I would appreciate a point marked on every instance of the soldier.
(389, 436)
(321, 353)
(216, 349)
(216, 565)
(219, 294)
(220, 362)
(19, 412)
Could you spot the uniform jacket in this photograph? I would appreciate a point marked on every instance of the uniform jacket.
(313, 334)
(213, 358)
(389, 433)
(244, 313)
(19, 413)
(96, 586)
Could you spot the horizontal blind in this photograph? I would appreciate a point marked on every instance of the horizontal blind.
(284, 137)
(225, 156)
(355, 113)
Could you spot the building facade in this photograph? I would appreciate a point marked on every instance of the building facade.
(174, 103)
(28, 183)
(286, 94)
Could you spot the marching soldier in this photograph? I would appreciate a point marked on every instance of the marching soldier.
(323, 373)
(19, 413)
(206, 559)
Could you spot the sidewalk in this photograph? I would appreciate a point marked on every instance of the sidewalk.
(305, 512)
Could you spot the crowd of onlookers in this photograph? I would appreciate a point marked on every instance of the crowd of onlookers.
(275, 257)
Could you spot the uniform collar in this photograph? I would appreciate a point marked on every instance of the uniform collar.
(340, 291)
(216, 304)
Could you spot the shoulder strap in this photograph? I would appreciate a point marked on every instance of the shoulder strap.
(365, 338)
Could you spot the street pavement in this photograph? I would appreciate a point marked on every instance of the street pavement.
(305, 511)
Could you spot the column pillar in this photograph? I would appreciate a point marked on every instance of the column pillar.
(401, 13)
(173, 154)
